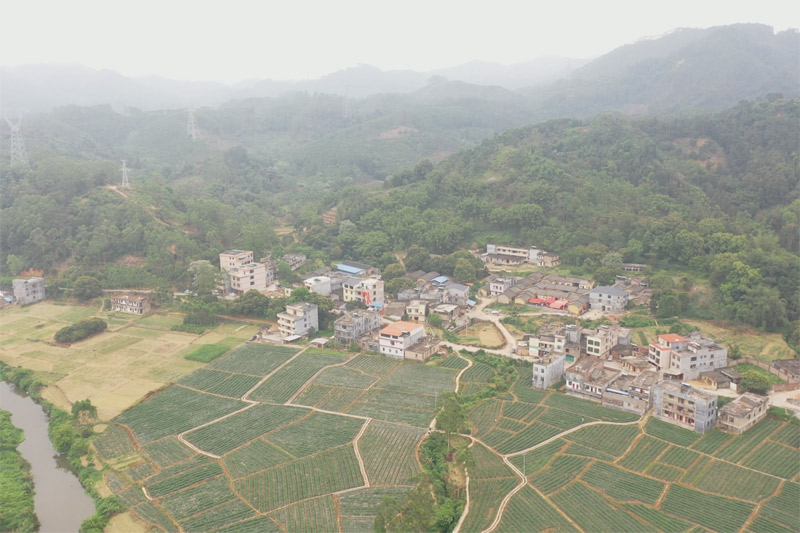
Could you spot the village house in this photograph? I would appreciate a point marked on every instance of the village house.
(598, 342)
(241, 273)
(353, 324)
(683, 405)
(608, 299)
(788, 369)
(357, 269)
(319, 284)
(28, 290)
(684, 358)
(500, 285)
(548, 371)
(131, 303)
(298, 320)
(722, 378)
(417, 309)
(368, 291)
(742, 413)
(294, 260)
(631, 392)
(407, 340)
(588, 378)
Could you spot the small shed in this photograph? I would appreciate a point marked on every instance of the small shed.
(319, 342)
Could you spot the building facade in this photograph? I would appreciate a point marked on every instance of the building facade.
(28, 290)
(298, 319)
(395, 338)
(368, 291)
(608, 299)
(354, 324)
(547, 371)
(130, 303)
(742, 413)
(242, 274)
(684, 406)
(686, 357)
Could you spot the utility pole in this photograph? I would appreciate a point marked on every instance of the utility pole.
(192, 131)
(126, 184)
(19, 156)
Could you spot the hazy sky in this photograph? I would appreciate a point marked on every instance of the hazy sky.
(296, 39)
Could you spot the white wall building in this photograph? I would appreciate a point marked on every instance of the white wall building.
(684, 357)
(298, 319)
(319, 284)
(28, 290)
(395, 338)
(368, 291)
(242, 273)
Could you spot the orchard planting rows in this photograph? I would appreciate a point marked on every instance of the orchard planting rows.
(620, 473)
(273, 439)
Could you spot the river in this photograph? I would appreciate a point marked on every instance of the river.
(60, 502)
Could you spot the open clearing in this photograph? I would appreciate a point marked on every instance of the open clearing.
(114, 369)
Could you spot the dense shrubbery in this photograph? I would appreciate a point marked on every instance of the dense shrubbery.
(82, 330)
(16, 483)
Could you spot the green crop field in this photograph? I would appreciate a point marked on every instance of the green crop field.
(388, 452)
(254, 359)
(527, 511)
(284, 383)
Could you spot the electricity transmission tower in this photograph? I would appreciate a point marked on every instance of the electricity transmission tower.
(126, 184)
(18, 154)
(192, 131)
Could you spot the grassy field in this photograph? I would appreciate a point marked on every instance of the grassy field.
(114, 369)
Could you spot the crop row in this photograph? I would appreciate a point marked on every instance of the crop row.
(592, 512)
(339, 399)
(487, 464)
(535, 460)
(713, 512)
(285, 382)
(254, 359)
(390, 413)
(318, 514)
(561, 471)
(483, 416)
(312, 395)
(153, 514)
(198, 498)
(186, 479)
(317, 432)
(738, 447)
(204, 378)
(230, 433)
(478, 373)
(427, 402)
(788, 435)
(454, 362)
(588, 408)
(484, 499)
(679, 457)
(782, 508)
(388, 453)
(219, 516)
(166, 473)
(530, 436)
(256, 456)
(527, 511)
(419, 379)
(341, 376)
(521, 411)
(139, 471)
(373, 365)
(167, 451)
(562, 419)
(330, 471)
(114, 442)
(174, 410)
(614, 440)
(643, 453)
(730, 480)
(775, 459)
(235, 386)
(621, 485)
(661, 521)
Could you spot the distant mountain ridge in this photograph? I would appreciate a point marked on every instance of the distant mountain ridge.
(708, 68)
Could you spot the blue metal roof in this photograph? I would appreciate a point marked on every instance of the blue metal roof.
(440, 279)
(349, 269)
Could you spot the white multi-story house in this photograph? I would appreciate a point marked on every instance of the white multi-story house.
(298, 319)
(742, 413)
(28, 290)
(686, 358)
(600, 341)
(368, 291)
(548, 370)
(319, 284)
(500, 285)
(396, 338)
(242, 274)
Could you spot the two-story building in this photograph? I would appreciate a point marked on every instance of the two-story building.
(742, 413)
(131, 303)
(548, 370)
(588, 378)
(298, 320)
